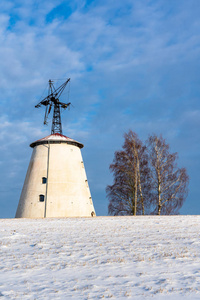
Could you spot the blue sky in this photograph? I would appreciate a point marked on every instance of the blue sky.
(133, 65)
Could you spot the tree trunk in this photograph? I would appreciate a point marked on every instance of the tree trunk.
(136, 173)
(135, 194)
(158, 179)
(139, 184)
(159, 198)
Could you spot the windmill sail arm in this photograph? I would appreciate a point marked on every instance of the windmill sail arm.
(64, 105)
(57, 93)
(45, 102)
(52, 101)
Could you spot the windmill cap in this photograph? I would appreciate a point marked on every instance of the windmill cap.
(56, 138)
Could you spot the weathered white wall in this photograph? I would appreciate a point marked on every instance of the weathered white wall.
(68, 193)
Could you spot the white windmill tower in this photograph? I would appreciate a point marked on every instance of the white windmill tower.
(56, 184)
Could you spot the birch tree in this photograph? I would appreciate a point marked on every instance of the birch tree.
(169, 183)
(128, 194)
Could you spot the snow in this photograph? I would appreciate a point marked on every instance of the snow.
(56, 137)
(147, 257)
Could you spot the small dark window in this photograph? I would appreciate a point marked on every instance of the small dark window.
(44, 180)
(41, 198)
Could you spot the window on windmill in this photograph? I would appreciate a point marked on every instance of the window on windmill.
(86, 182)
(44, 180)
(41, 198)
(82, 164)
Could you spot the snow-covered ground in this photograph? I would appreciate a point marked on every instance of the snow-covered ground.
(103, 257)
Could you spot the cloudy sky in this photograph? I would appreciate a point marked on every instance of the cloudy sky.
(133, 64)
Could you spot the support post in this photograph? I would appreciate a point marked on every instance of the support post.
(45, 203)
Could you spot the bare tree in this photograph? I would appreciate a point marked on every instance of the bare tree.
(169, 183)
(128, 194)
(147, 179)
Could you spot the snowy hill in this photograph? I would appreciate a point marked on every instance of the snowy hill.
(103, 257)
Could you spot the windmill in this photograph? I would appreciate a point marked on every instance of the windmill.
(56, 184)
(52, 100)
